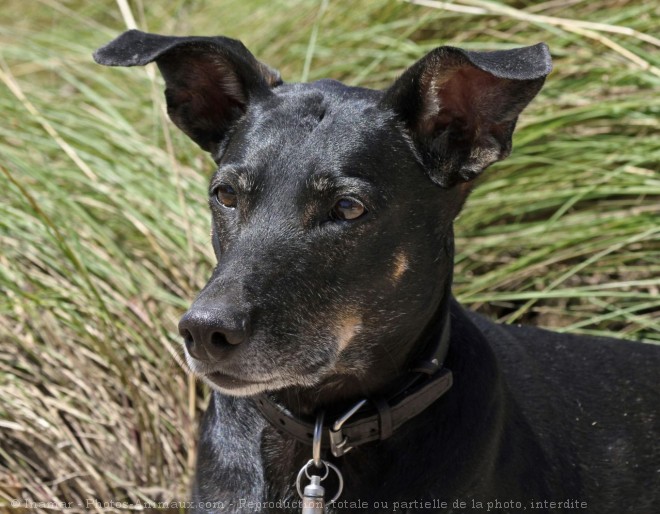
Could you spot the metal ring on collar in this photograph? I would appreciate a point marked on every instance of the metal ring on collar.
(328, 467)
(327, 471)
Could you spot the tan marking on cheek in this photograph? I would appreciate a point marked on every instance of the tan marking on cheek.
(400, 266)
(348, 327)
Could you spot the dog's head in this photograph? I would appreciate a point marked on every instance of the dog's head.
(332, 206)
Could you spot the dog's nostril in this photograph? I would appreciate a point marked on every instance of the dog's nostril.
(227, 338)
(219, 339)
(187, 339)
(189, 342)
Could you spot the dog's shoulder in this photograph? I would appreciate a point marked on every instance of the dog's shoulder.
(594, 398)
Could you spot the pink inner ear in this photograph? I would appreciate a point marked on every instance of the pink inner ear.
(463, 97)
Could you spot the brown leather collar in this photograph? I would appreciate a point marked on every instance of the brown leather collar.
(374, 418)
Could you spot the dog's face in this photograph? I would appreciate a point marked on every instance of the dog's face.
(332, 206)
(329, 238)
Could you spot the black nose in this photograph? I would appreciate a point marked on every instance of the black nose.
(209, 334)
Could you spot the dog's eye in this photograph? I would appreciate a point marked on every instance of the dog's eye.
(226, 195)
(347, 209)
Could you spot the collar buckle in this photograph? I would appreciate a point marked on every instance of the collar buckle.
(338, 441)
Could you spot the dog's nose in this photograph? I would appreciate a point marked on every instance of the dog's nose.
(210, 333)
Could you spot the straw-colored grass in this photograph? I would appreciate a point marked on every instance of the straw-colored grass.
(104, 230)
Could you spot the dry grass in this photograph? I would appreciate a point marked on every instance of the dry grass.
(104, 231)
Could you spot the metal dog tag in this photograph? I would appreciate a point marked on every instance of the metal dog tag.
(312, 501)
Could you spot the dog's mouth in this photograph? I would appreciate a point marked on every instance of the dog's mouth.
(235, 386)
(232, 383)
(248, 378)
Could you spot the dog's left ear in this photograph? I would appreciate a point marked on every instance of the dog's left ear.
(461, 107)
(210, 80)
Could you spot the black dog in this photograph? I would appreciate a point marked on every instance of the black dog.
(332, 216)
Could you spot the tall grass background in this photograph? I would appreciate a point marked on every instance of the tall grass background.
(104, 230)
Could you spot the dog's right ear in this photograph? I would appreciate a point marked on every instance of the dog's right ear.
(209, 80)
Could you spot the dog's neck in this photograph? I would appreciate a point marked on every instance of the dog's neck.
(477, 399)
(338, 392)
